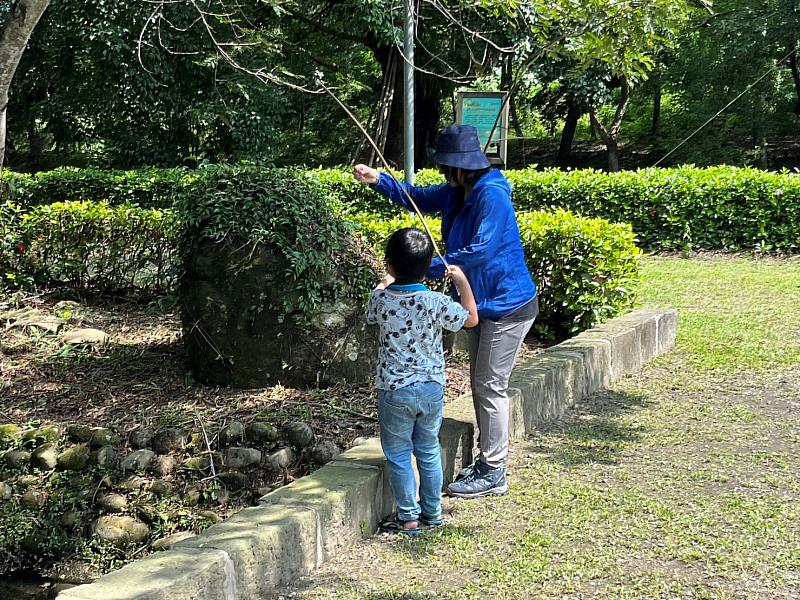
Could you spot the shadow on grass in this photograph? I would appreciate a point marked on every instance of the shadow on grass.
(592, 431)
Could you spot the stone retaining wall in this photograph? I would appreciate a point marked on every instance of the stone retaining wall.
(297, 527)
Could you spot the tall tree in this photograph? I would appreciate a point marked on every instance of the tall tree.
(20, 17)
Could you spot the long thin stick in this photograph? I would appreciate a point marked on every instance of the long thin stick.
(386, 166)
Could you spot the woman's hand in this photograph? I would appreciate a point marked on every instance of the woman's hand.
(365, 174)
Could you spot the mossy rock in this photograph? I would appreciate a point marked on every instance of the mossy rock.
(244, 321)
(9, 433)
(120, 530)
(17, 459)
(33, 499)
(262, 433)
(74, 459)
(41, 435)
(45, 457)
(80, 434)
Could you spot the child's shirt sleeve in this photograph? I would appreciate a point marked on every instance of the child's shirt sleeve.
(452, 315)
(372, 309)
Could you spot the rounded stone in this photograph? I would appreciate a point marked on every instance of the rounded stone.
(233, 480)
(45, 457)
(105, 456)
(196, 463)
(33, 498)
(232, 434)
(148, 513)
(70, 519)
(27, 481)
(279, 459)
(133, 483)
(299, 434)
(17, 459)
(168, 440)
(324, 452)
(137, 460)
(9, 433)
(141, 439)
(162, 465)
(102, 436)
(74, 459)
(5, 491)
(238, 458)
(262, 433)
(120, 530)
(162, 489)
(168, 541)
(41, 435)
(112, 503)
(191, 497)
(80, 433)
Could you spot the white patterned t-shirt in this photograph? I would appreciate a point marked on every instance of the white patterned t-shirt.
(410, 338)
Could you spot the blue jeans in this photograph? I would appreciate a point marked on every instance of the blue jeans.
(410, 419)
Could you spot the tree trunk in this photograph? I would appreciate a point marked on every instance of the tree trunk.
(613, 156)
(611, 135)
(14, 35)
(656, 124)
(568, 133)
(796, 79)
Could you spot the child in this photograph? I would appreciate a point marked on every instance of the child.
(410, 378)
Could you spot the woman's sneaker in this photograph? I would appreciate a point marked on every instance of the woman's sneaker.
(483, 481)
(465, 472)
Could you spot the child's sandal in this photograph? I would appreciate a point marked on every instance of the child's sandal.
(431, 521)
(394, 524)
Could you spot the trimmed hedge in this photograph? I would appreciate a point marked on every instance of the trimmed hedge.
(716, 208)
(89, 245)
(587, 269)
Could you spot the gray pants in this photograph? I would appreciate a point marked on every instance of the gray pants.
(493, 348)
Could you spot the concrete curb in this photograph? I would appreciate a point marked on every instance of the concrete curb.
(296, 528)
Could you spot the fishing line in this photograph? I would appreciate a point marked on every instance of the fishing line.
(385, 164)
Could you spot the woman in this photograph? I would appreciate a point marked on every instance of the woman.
(480, 230)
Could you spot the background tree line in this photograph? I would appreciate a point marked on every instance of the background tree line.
(180, 82)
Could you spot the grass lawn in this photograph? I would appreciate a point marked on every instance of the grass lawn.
(683, 482)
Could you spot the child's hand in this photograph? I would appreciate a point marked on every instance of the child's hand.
(457, 275)
(365, 174)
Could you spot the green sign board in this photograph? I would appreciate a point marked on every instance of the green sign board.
(488, 113)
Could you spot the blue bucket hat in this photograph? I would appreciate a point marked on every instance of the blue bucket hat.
(458, 146)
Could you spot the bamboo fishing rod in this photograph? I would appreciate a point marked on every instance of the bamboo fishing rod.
(386, 166)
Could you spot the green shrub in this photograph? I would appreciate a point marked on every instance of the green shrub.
(244, 207)
(587, 270)
(94, 245)
(14, 264)
(716, 208)
(151, 188)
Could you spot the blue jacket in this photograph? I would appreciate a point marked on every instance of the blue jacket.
(482, 238)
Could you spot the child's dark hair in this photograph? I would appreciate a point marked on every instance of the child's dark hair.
(409, 251)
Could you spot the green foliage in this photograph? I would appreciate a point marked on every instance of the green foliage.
(152, 188)
(287, 210)
(718, 208)
(587, 270)
(14, 267)
(94, 245)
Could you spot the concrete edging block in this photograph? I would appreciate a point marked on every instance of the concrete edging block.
(269, 546)
(349, 501)
(186, 574)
